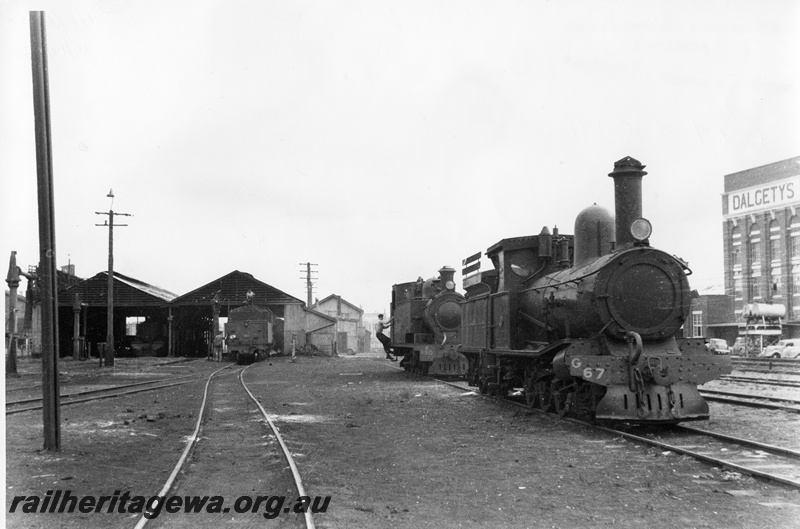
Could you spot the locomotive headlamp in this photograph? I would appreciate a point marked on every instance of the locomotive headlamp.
(641, 229)
(450, 285)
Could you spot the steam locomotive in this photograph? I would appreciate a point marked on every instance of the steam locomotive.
(249, 333)
(587, 325)
(427, 324)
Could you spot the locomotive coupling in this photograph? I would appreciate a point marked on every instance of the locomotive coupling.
(635, 351)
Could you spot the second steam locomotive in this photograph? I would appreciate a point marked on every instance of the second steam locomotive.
(586, 325)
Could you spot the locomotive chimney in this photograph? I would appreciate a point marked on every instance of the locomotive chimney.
(627, 176)
(446, 274)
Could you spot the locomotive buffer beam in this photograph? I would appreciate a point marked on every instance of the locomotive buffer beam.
(674, 374)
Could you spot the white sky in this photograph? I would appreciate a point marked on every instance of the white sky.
(383, 140)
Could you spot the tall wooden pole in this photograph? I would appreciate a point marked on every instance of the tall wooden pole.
(110, 353)
(47, 234)
(76, 328)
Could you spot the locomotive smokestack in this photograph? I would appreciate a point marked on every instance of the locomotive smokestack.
(627, 176)
(446, 274)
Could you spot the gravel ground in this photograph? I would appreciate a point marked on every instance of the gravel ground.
(390, 449)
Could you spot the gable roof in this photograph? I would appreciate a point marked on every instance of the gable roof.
(128, 292)
(233, 287)
(316, 320)
(339, 299)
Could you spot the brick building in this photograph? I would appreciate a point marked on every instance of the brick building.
(761, 236)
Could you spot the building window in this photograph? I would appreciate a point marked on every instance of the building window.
(697, 324)
(776, 278)
(774, 241)
(737, 285)
(736, 240)
(796, 278)
(794, 235)
(755, 247)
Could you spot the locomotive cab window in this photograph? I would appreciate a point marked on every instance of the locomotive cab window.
(522, 264)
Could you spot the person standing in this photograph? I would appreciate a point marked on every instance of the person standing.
(383, 338)
(218, 341)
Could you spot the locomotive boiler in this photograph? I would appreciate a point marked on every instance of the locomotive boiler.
(249, 333)
(426, 327)
(588, 324)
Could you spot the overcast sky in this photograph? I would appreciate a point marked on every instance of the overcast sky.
(382, 140)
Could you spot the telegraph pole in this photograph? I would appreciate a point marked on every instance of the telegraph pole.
(308, 278)
(109, 354)
(47, 235)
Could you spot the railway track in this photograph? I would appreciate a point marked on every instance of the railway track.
(762, 381)
(229, 433)
(767, 365)
(66, 399)
(750, 400)
(773, 463)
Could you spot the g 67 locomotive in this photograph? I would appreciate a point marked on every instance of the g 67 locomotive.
(427, 321)
(249, 332)
(587, 324)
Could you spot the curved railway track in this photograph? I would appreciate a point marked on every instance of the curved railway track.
(226, 419)
(773, 463)
(18, 406)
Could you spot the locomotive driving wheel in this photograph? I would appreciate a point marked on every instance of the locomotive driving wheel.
(562, 398)
(544, 394)
(531, 397)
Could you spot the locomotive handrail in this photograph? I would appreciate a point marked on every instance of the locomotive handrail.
(573, 280)
(684, 264)
(536, 273)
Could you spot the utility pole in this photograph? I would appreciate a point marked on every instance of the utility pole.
(46, 273)
(308, 278)
(109, 354)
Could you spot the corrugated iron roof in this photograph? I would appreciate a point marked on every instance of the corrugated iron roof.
(127, 292)
(232, 288)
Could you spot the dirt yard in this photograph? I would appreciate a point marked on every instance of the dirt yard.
(390, 449)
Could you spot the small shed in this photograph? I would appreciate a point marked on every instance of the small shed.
(351, 336)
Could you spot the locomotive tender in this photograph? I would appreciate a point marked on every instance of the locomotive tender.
(587, 324)
(249, 333)
(427, 321)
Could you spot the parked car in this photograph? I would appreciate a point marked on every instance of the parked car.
(718, 346)
(741, 347)
(782, 349)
